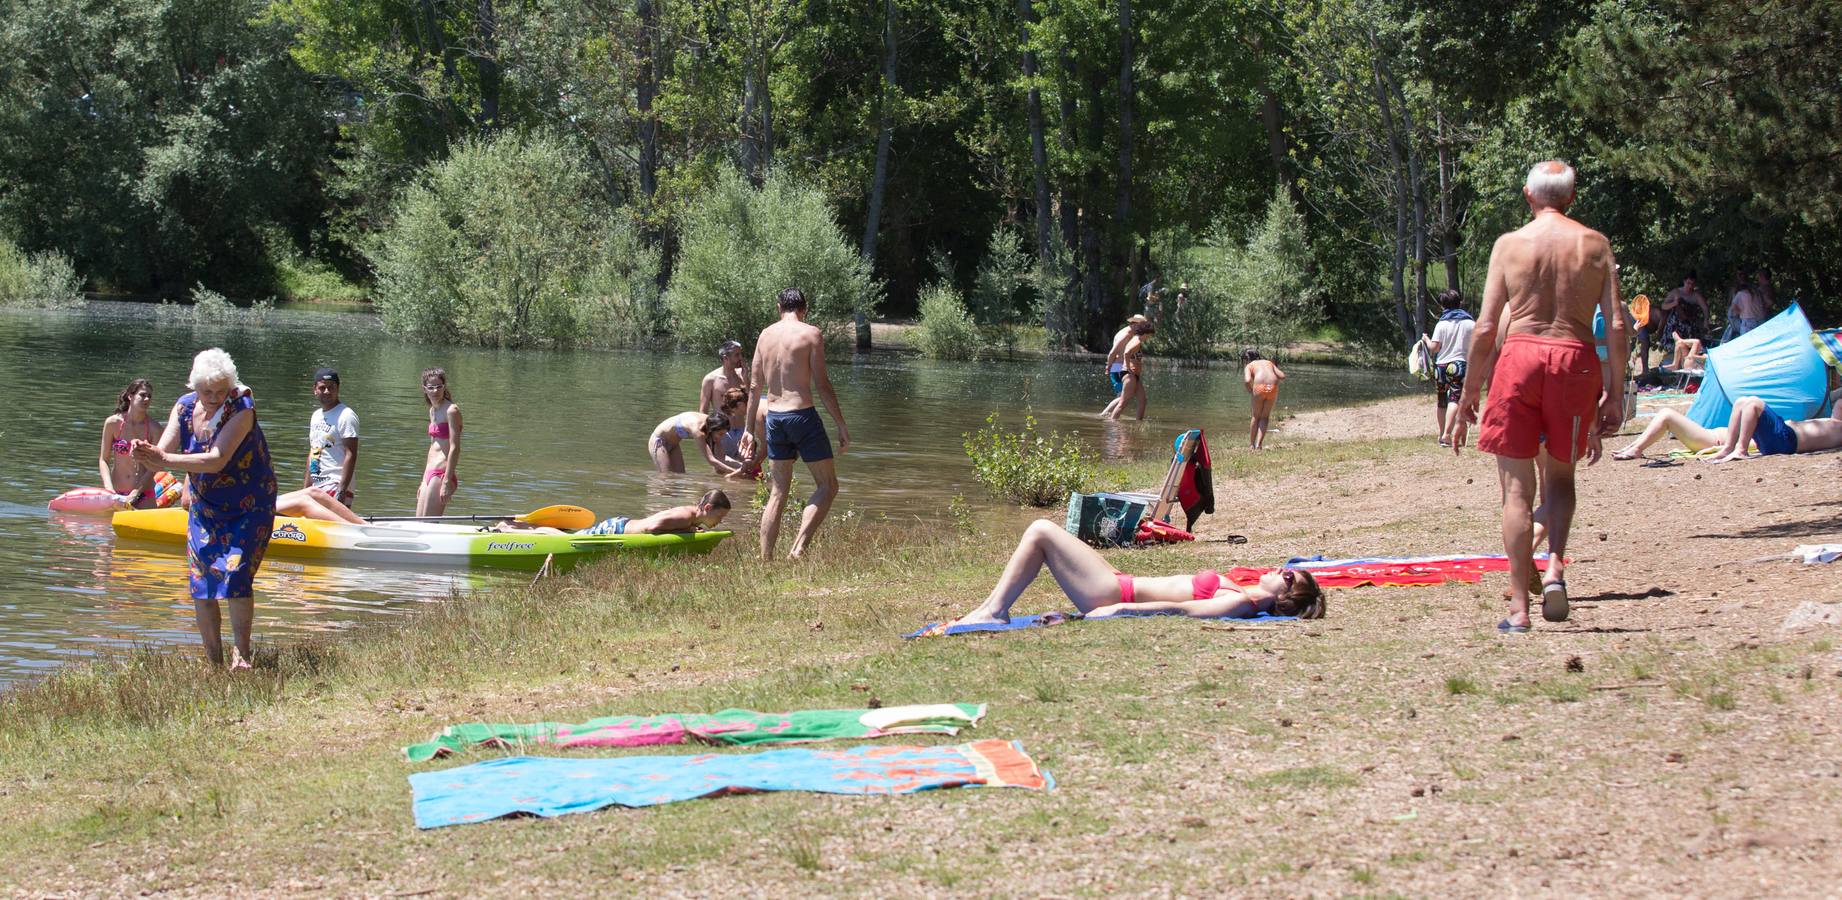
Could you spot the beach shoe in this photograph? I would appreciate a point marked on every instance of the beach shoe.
(1504, 627)
(1554, 601)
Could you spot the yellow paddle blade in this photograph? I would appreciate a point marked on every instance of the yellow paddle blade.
(563, 516)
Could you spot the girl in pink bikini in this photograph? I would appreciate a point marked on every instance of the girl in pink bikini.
(121, 473)
(1099, 590)
(439, 478)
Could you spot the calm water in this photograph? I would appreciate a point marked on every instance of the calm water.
(542, 427)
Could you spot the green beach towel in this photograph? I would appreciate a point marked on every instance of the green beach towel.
(739, 727)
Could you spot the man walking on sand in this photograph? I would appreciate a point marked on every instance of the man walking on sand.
(1546, 389)
(789, 367)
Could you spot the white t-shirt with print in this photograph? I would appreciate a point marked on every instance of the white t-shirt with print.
(325, 451)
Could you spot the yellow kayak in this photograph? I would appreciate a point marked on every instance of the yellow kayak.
(424, 543)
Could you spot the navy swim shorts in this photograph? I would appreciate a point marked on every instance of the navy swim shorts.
(797, 432)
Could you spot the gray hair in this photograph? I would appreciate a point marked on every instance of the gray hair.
(1550, 183)
(212, 366)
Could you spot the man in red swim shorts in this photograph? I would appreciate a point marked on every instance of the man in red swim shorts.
(1547, 390)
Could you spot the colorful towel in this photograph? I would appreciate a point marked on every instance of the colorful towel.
(1389, 571)
(551, 787)
(1196, 487)
(731, 726)
(1017, 623)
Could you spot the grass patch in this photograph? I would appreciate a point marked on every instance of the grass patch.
(1458, 686)
(1319, 777)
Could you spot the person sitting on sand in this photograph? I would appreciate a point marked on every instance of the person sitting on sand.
(1099, 590)
(1752, 421)
(1261, 377)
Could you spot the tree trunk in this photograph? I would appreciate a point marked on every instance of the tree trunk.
(1397, 261)
(488, 63)
(880, 178)
(1039, 153)
(1123, 210)
(1448, 228)
(1097, 303)
(1072, 224)
(646, 89)
(1416, 187)
(751, 127)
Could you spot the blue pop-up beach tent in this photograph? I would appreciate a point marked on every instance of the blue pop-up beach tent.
(1775, 362)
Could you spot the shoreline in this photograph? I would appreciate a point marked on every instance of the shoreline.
(1401, 716)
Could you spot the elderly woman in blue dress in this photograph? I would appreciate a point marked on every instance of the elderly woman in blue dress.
(212, 435)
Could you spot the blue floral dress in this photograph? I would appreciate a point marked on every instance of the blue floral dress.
(233, 509)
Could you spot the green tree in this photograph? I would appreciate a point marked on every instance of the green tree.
(510, 242)
(742, 245)
(154, 142)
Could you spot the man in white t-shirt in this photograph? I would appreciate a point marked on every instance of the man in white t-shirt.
(1450, 342)
(332, 441)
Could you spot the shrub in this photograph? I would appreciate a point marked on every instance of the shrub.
(509, 242)
(210, 306)
(1002, 276)
(1267, 288)
(742, 245)
(45, 280)
(1024, 466)
(946, 331)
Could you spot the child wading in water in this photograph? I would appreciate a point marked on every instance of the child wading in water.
(1261, 377)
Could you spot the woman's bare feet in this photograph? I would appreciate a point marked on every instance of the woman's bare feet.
(237, 661)
(1631, 452)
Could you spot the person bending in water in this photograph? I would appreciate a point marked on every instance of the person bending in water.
(1751, 422)
(1099, 590)
(735, 449)
(441, 473)
(122, 473)
(665, 444)
(1261, 377)
(705, 514)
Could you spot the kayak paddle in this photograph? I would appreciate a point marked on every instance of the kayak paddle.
(562, 516)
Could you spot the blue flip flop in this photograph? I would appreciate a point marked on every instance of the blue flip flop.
(1504, 627)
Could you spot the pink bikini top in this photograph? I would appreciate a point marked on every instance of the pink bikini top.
(121, 445)
(438, 430)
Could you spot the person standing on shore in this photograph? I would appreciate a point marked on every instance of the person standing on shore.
(332, 441)
(788, 369)
(1261, 377)
(729, 374)
(213, 435)
(1546, 389)
(1450, 345)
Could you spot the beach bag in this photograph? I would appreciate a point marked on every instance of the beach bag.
(1420, 360)
(1104, 520)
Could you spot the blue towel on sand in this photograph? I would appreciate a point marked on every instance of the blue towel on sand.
(558, 787)
(933, 629)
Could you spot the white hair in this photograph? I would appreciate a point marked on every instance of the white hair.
(1550, 183)
(212, 366)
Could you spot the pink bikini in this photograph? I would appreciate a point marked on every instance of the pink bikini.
(439, 431)
(1203, 585)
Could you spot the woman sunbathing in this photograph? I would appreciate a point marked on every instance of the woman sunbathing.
(1752, 422)
(1099, 590)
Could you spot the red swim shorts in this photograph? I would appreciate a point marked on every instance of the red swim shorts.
(1542, 389)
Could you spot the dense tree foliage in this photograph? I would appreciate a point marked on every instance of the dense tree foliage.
(166, 142)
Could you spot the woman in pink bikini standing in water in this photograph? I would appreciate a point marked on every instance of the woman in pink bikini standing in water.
(439, 478)
(1099, 590)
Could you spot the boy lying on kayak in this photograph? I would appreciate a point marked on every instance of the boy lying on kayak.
(705, 514)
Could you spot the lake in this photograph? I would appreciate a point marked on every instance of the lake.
(542, 427)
